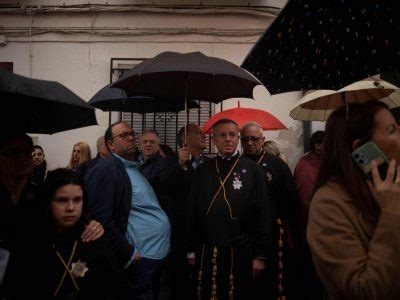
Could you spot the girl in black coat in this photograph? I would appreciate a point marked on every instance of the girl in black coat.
(66, 267)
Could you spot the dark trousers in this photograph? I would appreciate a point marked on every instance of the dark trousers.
(143, 279)
(181, 276)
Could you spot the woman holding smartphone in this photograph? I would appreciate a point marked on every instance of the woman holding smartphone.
(354, 223)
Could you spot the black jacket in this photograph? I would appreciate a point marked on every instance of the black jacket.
(157, 170)
(110, 194)
(100, 278)
(17, 222)
(83, 168)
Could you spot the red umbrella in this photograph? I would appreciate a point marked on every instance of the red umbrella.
(244, 115)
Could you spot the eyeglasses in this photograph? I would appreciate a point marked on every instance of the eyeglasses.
(227, 134)
(151, 142)
(13, 152)
(125, 135)
(246, 139)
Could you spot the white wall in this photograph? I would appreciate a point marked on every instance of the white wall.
(81, 61)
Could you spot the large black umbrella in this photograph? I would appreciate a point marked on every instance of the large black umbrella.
(326, 44)
(41, 106)
(187, 76)
(114, 99)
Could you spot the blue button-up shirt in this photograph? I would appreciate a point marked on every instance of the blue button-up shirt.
(148, 228)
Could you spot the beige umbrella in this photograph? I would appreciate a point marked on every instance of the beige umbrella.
(318, 105)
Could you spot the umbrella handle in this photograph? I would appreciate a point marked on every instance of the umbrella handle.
(186, 105)
(186, 114)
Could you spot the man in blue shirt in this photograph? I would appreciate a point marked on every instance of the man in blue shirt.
(122, 199)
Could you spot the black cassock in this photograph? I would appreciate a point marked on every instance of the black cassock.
(282, 194)
(228, 227)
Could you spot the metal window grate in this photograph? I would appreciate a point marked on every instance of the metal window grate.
(167, 124)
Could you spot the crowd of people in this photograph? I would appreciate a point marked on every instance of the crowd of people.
(237, 225)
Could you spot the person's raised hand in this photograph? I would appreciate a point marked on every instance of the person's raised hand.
(258, 266)
(184, 156)
(387, 190)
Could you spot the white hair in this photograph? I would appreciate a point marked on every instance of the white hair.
(251, 124)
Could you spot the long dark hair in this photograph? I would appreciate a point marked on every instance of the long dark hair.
(56, 179)
(344, 126)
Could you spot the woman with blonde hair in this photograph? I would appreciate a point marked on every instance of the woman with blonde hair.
(80, 153)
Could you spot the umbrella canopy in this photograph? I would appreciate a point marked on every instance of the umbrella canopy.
(243, 115)
(318, 105)
(114, 99)
(326, 45)
(41, 106)
(187, 76)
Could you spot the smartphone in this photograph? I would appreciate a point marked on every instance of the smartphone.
(368, 152)
(4, 257)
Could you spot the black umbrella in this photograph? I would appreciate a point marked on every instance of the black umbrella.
(187, 76)
(326, 44)
(40, 106)
(114, 99)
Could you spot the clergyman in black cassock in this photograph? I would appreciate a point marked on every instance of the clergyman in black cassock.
(282, 194)
(228, 220)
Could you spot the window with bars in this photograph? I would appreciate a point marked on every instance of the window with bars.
(167, 124)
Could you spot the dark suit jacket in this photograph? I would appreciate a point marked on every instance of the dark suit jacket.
(110, 194)
(157, 171)
(83, 168)
(179, 182)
